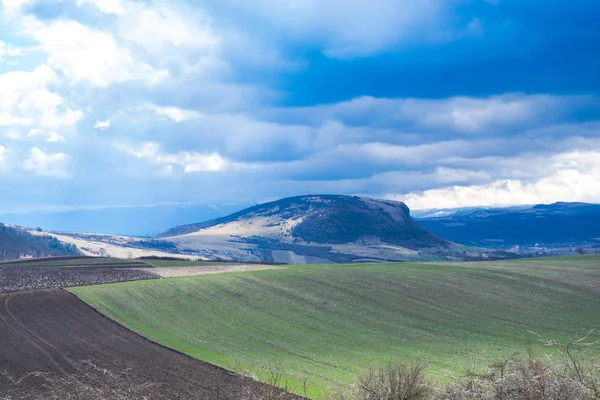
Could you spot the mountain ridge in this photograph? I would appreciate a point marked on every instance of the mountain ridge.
(551, 226)
(317, 229)
(333, 219)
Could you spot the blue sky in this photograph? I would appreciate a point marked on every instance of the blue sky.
(438, 103)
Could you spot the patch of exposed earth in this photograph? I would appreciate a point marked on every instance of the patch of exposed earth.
(50, 338)
(171, 272)
(13, 279)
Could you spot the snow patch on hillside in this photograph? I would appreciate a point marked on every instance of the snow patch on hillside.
(256, 226)
(117, 248)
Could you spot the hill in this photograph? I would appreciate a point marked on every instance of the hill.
(333, 321)
(16, 242)
(314, 228)
(558, 227)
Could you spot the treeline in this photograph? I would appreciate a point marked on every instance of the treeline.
(16, 243)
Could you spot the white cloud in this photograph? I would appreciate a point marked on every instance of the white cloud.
(84, 54)
(2, 154)
(468, 114)
(103, 124)
(12, 7)
(190, 161)
(573, 176)
(10, 51)
(174, 113)
(464, 114)
(12, 134)
(106, 6)
(48, 165)
(161, 24)
(25, 99)
(385, 153)
(49, 135)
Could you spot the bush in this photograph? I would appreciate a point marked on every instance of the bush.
(573, 376)
(518, 379)
(394, 381)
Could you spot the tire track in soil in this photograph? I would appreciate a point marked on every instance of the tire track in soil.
(26, 337)
(53, 331)
(40, 339)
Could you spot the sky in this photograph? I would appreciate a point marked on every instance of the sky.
(438, 103)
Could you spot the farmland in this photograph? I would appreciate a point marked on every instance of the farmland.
(329, 322)
(56, 347)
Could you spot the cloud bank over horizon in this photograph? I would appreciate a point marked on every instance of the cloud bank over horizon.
(440, 104)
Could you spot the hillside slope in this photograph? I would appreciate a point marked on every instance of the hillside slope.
(315, 229)
(335, 321)
(546, 225)
(16, 242)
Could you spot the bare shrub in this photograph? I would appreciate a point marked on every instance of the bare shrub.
(528, 378)
(394, 381)
(90, 383)
(277, 384)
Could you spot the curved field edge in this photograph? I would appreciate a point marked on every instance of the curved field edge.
(330, 322)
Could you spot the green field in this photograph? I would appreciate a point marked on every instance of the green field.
(332, 321)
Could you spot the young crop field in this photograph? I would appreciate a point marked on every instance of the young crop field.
(330, 322)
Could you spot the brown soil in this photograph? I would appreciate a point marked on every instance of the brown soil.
(13, 279)
(53, 332)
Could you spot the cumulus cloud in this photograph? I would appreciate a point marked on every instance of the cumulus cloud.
(52, 165)
(189, 161)
(50, 136)
(174, 113)
(103, 124)
(8, 51)
(109, 7)
(84, 54)
(161, 24)
(12, 7)
(26, 99)
(200, 95)
(573, 176)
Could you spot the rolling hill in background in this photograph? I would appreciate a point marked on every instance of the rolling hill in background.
(316, 229)
(335, 229)
(16, 242)
(556, 228)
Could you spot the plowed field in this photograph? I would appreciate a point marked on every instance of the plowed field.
(51, 333)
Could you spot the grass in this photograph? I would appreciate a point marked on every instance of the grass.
(332, 321)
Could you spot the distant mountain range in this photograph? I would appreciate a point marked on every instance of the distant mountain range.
(556, 227)
(332, 228)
